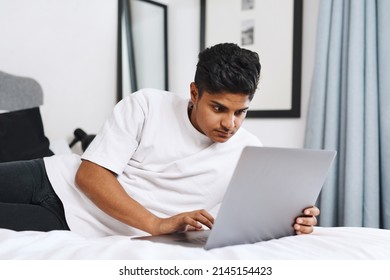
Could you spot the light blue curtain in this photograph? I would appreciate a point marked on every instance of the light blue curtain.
(349, 111)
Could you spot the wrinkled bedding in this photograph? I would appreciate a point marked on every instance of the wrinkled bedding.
(326, 243)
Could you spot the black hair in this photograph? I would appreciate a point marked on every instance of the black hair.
(227, 68)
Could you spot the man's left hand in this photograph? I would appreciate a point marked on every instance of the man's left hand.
(304, 224)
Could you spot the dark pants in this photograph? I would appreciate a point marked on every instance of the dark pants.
(27, 199)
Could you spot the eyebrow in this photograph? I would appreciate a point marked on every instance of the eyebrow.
(223, 106)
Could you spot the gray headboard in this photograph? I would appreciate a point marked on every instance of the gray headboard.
(17, 93)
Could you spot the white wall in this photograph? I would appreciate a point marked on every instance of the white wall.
(69, 46)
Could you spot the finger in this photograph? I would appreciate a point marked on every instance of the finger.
(307, 221)
(203, 217)
(191, 228)
(311, 211)
(206, 218)
(192, 222)
(207, 215)
(301, 229)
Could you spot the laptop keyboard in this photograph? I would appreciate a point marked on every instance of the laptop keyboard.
(199, 240)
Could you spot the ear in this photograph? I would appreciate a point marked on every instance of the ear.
(194, 93)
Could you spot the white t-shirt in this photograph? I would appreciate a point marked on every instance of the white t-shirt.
(161, 160)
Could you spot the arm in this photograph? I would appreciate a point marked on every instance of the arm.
(304, 224)
(102, 188)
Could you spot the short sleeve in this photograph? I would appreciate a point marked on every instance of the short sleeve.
(116, 142)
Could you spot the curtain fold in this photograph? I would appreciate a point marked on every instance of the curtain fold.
(384, 106)
(349, 111)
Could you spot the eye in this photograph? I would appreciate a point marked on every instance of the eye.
(218, 108)
(241, 112)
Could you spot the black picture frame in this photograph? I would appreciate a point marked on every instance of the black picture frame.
(295, 108)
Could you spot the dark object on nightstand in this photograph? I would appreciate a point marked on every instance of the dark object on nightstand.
(80, 135)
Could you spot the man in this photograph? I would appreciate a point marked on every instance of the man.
(161, 163)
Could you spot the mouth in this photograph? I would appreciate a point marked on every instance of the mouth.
(224, 134)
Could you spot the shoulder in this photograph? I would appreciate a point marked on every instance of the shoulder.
(147, 98)
(153, 104)
(154, 95)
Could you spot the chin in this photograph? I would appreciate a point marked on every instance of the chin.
(220, 139)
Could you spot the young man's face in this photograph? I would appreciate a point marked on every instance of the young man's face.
(218, 116)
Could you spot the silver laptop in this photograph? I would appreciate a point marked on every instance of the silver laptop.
(269, 188)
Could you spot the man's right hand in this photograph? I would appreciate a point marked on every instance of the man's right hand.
(186, 221)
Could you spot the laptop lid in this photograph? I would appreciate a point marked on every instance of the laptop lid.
(269, 188)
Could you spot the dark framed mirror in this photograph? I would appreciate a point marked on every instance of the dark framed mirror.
(142, 46)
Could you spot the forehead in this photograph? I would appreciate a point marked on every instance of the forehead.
(227, 99)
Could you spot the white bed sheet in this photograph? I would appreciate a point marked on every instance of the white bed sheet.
(324, 244)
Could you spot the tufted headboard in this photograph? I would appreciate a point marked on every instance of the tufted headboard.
(17, 93)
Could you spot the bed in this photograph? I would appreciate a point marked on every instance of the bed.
(19, 249)
(326, 243)
(21, 120)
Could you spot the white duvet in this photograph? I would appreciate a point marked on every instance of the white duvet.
(324, 244)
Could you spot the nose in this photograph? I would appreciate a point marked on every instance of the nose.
(228, 121)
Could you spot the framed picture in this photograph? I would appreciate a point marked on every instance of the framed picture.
(271, 28)
(142, 46)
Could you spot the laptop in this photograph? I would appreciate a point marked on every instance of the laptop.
(269, 188)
